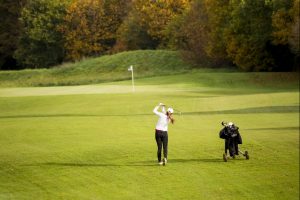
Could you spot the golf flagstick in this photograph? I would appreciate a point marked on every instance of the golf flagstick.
(132, 78)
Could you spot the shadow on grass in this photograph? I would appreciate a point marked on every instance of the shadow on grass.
(71, 115)
(148, 163)
(206, 160)
(266, 109)
(190, 160)
(62, 164)
(274, 128)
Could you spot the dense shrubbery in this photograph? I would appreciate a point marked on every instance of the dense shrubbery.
(260, 35)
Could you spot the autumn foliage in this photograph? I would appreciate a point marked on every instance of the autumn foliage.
(260, 35)
(90, 27)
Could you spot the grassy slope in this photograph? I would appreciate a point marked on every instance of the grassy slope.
(97, 70)
(101, 145)
(147, 63)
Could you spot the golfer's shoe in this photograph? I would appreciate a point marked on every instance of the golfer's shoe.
(224, 157)
(160, 163)
(165, 161)
(246, 155)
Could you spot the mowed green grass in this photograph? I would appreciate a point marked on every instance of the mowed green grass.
(97, 142)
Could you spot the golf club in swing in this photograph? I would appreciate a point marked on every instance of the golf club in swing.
(176, 110)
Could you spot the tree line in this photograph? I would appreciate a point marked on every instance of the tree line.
(254, 35)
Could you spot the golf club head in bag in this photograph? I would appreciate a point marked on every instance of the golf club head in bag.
(226, 124)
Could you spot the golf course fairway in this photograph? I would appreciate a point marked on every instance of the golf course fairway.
(96, 142)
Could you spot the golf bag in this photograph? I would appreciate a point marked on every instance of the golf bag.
(230, 134)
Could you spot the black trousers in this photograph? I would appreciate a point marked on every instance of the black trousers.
(161, 138)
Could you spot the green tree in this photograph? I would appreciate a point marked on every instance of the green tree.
(146, 25)
(40, 44)
(254, 35)
(283, 38)
(247, 35)
(295, 35)
(132, 36)
(218, 20)
(10, 12)
(193, 34)
(199, 32)
(284, 34)
(281, 21)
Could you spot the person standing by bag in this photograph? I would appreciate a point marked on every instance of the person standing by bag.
(161, 131)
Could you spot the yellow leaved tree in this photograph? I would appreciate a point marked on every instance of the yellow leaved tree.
(90, 27)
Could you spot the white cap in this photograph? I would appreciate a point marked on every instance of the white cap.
(230, 123)
(170, 110)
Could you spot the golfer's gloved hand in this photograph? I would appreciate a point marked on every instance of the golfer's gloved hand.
(161, 104)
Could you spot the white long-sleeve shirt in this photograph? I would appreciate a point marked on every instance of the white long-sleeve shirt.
(162, 123)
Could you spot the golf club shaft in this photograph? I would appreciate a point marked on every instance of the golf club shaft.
(178, 111)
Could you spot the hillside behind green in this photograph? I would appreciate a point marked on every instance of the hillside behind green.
(101, 69)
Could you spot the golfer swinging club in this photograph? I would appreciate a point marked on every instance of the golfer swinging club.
(161, 131)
